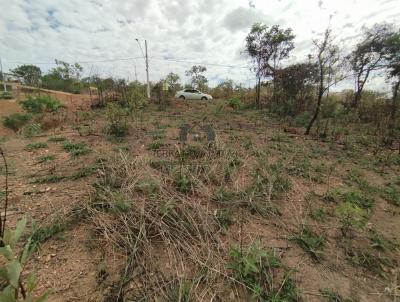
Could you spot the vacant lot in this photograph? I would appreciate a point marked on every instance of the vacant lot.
(200, 202)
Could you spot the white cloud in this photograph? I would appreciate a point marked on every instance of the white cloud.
(200, 31)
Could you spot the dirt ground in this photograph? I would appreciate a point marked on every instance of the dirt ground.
(69, 261)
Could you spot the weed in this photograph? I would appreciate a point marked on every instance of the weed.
(332, 296)
(35, 146)
(255, 267)
(192, 152)
(49, 179)
(6, 95)
(236, 104)
(356, 177)
(117, 120)
(310, 242)
(223, 197)
(358, 199)
(57, 139)
(83, 172)
(148, 186)
(366, 259)
(16, 121)
(392, 194)
(319, 215)
(378, 241)
(280, 137)
(179, 290)
(13, 284)
(269, 180)
(224, 218)
(85, 130)
(32, 130)
(157, 134)
(76, 149)
(155, 145)
(351, 216)
(183, 183)
(42, 233)
(46, 158)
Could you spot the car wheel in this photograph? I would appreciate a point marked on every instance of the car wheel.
(182, 97)
(204, 98)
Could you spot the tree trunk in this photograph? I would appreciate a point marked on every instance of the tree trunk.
(392, 118)
(258, 92)
(319, 101)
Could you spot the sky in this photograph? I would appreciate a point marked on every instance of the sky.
(101, 34)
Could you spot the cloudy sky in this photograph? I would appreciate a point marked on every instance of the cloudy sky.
(101, 33)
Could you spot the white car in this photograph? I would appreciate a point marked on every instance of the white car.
(192, 94)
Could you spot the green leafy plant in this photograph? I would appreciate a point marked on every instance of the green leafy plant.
(236, 104)
(31, 130)
(117, 118)
(351, 216)
(224, 218)
(6, 95)
(392, 194)
(254, 267)
(35, 146)
(310, 242)
(14, 286)
(16, 121)
(333, 296)
(76, 149)
(57, 139)
(46, 158)
(40, 104)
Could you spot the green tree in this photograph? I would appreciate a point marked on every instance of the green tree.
(296, 83)
(393, 57)
(368, 56)
(173, 81)
(30, 74)
(267, 47)
(65, 77)
(197, 79)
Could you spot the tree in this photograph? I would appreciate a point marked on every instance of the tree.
(297, 83)
(65, 77)
(30, 74)
(393, 57)
(368, 56)
(328, 62)
(173, 81)
(197, 79)
(267, 47)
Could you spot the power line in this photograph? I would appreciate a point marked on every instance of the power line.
(79, 62)
(199, 63)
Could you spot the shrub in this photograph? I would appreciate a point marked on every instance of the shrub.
(6, 95)
(16, 121)
(117, 120)
(40, 104)
(236, 104)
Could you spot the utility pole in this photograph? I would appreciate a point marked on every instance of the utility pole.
(3, 78)
(147, 70)
(146, 58)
